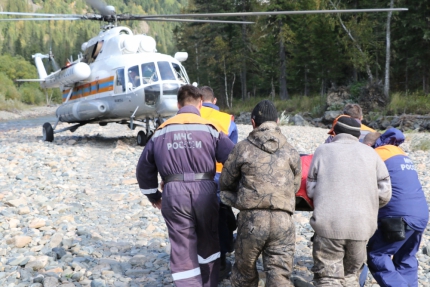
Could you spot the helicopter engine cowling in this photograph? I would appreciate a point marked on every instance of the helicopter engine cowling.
(82, 110)
(129, 45)
(146, 44)
(68, 76)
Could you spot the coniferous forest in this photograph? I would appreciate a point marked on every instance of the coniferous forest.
(282, 56)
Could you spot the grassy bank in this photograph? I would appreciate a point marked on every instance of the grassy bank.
(297, 104)
(414, 103)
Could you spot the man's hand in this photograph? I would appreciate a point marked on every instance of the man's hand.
(157, 204)
(161, 185)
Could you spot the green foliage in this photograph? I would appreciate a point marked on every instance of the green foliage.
(421, 144)
(296, 104)
(30, 95)
(355, 91)
(415, 103)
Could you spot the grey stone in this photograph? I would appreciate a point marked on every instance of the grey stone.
(50, 282)
(98, 283)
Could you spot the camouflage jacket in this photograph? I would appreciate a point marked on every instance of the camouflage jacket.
(262, 172)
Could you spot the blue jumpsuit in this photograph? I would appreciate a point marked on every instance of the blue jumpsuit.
(187, 146)
(408, 201)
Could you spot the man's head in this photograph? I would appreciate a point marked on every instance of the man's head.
(371, 138)
(346, 125)
(264, 111)
(354, 111)
(208, 95)
(189, 95)
(392, 136)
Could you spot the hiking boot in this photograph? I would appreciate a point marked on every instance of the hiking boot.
(225, 271)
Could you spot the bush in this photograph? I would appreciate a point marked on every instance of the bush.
(31, 95)
(415, 103)
(315, 105)
(423, 144)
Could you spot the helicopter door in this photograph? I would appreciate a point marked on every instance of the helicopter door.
(120, 81)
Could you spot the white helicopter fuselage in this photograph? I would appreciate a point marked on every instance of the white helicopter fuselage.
(120, 75)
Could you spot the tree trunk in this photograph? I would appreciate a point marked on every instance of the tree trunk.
(306, 92)
(197, 65)
(388, 54)
(406, 75)
(357, 45)
(243, 70)
(225, 85)
(231, 93)
(283, 92)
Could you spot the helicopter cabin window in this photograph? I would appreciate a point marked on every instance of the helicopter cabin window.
(120, 82)
(166, 71)
(149, 73)
(133, 77)
(179, 73)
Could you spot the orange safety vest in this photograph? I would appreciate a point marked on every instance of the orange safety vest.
(366, 128)
(223, 119)
(189, 118)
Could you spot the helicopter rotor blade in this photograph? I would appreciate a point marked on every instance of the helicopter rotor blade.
(277, 13)
(40, 19)
(187, 20)
(39, 14)
(102, 7)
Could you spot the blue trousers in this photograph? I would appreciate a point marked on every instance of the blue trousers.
(402, 270)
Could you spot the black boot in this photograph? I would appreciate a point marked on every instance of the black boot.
(225, 268)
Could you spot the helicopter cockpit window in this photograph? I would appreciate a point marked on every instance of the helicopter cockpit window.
(179, 73)
(133, 77)
(166, 71)
(120, 82)
(149, 73)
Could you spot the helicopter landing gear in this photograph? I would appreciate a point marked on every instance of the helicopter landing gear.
(141, 138)
(48, 132)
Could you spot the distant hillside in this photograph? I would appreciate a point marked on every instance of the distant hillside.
(65, 37)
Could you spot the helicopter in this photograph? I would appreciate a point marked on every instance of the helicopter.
(120, 77)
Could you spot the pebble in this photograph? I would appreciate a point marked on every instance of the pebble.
(71, 213)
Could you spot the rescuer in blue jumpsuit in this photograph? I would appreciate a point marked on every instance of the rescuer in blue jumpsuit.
(184, 150)
(408, 202)
(227, 220)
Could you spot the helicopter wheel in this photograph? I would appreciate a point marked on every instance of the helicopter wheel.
(142, 139)
(48, 132)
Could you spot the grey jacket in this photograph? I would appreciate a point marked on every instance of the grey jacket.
(348, 182)
(262, 172)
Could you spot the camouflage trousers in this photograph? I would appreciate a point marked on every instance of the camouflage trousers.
(271, 233)
(337, 262)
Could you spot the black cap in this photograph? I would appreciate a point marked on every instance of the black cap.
(264, 111)
(347, 125)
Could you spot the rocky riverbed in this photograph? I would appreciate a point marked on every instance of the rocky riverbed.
(72, 213)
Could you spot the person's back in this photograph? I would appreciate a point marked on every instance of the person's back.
(269, 166)
(348, 183)
(391, 255)
(347, 180)
(227, 221)
(184, 150)
(260, 178)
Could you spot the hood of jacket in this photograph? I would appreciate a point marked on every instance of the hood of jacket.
(267, 137)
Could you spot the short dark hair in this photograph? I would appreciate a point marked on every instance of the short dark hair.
(207, 93)
(188, 94)
(371, 138)
(264, 111)
(353, 110)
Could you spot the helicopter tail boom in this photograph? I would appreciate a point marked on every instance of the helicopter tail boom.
(39, 65)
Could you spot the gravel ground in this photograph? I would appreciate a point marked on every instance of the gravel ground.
(72, 214)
